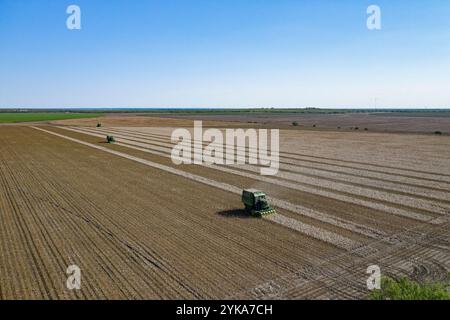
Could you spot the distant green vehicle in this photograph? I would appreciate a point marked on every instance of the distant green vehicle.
(110, 139)
(256, 203)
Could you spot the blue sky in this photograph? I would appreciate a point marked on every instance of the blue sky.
(224, 53)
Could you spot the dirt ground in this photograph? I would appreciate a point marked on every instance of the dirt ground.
(114, 120)
(414, 123)
(422, 123)
(140, 226)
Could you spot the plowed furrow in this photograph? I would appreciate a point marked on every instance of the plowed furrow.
(432, 176)
(247, 271)
(407, 212)
(300, 167)
(164, 168)
(78, 212)
(323, 217)
(352, 179)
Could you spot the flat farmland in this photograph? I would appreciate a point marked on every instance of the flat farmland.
(139, 226)
(20, 117)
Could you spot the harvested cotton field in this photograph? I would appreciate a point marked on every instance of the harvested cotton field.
(139, 226)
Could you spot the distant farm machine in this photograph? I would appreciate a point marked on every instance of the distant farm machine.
(256, 203)
(110, 139)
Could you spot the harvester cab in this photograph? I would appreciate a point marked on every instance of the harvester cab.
(256, 203)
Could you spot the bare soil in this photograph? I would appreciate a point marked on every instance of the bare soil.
(141, 227)
(414, 123)
(419, 123)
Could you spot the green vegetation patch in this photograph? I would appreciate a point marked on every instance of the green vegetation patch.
(405, 289)
(16, 117)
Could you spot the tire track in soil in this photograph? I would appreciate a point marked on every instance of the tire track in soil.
(371, 182)
(350, 198)
(15, 197)
(322, 235)
(426, 205)
(423, 201)
(303, 211)
(40, 274)
(108, 233)
(87, 245)
(436, 221)
(338, 276)
(249, 182)
(331, 284)
(33, 201)
(299, 167)
(425, 175)
(44, 174)
(13, 288)
(20, 183)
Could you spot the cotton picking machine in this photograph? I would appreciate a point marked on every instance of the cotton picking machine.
(256, 203)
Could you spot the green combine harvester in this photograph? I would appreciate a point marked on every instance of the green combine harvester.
(256, 203)
(110, 139)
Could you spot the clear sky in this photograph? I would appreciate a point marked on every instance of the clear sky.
(224, 53)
